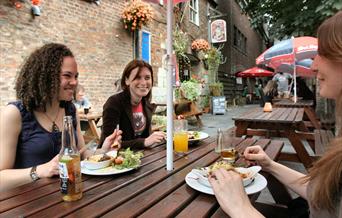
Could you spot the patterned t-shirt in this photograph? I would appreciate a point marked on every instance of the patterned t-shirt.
(139, 119)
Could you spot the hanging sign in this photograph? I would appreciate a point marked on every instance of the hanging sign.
(218, 30)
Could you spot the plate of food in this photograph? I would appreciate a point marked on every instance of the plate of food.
(111, 163)
(252, 180)
(195, 136)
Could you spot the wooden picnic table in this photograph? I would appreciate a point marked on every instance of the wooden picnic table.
(283, 122)
(91, 119)
(308, 109)
(149, 191)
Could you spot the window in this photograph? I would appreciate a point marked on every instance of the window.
(193, 14)
(240, 40)
(146, 46)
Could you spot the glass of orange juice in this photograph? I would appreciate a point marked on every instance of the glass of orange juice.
(180, 136)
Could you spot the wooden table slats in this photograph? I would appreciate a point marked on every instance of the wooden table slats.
(289, 103)
(288, 115)
(281, 122)
(308, 109)
(146, 192)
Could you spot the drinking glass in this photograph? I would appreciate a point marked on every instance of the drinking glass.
(226, 146)
(180, 136)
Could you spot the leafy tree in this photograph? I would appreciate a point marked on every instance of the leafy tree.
(289, 17)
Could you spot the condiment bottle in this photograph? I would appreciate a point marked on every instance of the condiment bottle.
(219, 141)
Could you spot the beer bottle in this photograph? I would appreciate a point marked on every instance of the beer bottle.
(69, 164)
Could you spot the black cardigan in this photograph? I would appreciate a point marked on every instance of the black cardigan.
(118, 110)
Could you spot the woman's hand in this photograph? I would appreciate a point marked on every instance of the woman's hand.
(112, 141)
(230, 193)
(256, 153)
(155, 137)
(49, 169)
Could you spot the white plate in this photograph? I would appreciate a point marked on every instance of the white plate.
(202, 135)
(259, 184)
(250, 171)
(104, 171)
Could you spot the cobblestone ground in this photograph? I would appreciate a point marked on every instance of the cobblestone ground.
(212, 122)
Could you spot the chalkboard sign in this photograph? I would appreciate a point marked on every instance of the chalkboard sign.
(218, 105)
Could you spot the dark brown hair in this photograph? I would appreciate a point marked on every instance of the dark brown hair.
(38, 81)
(140, 64)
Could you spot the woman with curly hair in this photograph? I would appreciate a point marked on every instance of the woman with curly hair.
(30, 127)
(322, 187)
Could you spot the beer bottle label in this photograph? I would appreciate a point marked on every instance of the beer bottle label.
(63, 174)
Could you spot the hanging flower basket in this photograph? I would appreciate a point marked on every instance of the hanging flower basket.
(136, 14)
(200, 45)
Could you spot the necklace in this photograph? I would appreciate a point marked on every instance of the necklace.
(54, 126)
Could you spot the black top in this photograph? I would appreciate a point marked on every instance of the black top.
(118, 110)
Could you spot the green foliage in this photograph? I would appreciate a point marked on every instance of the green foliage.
(180, 44)
(190, 89)
(216, 89)
(290, 18)
(214, 56)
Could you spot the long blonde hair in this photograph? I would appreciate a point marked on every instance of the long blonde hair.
(271, 88)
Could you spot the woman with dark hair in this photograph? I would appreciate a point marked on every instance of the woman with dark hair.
(322, 187)
(30, 127)
(270, 91)
(131, 109)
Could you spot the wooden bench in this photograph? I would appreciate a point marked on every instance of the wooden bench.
(322, 141)
(319, 141)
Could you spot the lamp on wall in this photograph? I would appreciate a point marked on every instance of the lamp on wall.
(97, 2)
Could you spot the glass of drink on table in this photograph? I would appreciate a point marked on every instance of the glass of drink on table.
(180, 136)
(228, 152)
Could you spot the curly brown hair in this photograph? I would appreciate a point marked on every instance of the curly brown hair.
(38, 81)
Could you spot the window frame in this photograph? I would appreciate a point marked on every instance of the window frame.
(194, 12)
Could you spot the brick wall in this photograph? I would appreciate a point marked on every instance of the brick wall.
(94, 34)
(236, 59)
(101, 46)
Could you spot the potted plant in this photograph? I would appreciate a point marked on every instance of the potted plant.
(190, 90)
(216, 89)
(214, 59)
(200, 47)
(136, 14)
(180, 44)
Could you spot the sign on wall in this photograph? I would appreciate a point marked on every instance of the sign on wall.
(218, 30)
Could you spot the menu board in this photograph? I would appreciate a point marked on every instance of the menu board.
(218, 104)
